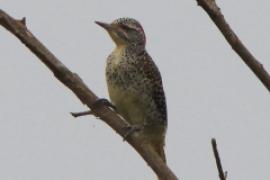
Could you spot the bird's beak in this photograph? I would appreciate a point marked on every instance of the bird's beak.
(106, 26)
(113, 31)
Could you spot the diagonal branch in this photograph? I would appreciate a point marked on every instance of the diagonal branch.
(215, 14)
(87, 97)
(222, 175)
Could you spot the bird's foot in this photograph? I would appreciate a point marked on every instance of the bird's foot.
(130, 129)
(105, 102)
(96, 104)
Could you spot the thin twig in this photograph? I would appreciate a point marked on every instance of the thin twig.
(221, 173)
(87, 97)
(215, 14)
(78, 114)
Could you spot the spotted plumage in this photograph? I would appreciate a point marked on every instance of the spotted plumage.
(134, 82)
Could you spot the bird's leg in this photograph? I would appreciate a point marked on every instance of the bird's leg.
(96, 104)
(131, 129)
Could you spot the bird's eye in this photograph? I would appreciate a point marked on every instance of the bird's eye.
(126, 28)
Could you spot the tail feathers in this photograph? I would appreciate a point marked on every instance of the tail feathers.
(159, 148)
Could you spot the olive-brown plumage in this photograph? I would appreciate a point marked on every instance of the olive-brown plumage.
(134, 82)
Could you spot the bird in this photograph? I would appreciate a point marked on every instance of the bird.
(134, 83)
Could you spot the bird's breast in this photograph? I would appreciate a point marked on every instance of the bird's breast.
(121, 69)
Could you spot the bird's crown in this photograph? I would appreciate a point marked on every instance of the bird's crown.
(132, 28)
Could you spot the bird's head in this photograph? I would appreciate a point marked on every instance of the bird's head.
(125, 32)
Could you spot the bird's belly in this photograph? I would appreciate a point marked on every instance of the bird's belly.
(127, 104)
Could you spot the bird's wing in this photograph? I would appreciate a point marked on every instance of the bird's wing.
(152, 74)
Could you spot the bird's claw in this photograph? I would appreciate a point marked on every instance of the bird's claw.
(103, 101)
(130, 129)
(96, 104)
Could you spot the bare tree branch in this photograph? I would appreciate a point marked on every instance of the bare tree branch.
(222, 175)
(87, 97)
(215, 14)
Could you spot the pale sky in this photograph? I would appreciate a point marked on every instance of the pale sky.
(210, 92)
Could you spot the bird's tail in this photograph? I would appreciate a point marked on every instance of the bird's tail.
(159, 148)
(156, 140)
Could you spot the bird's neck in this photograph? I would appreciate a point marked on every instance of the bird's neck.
(130, 48)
